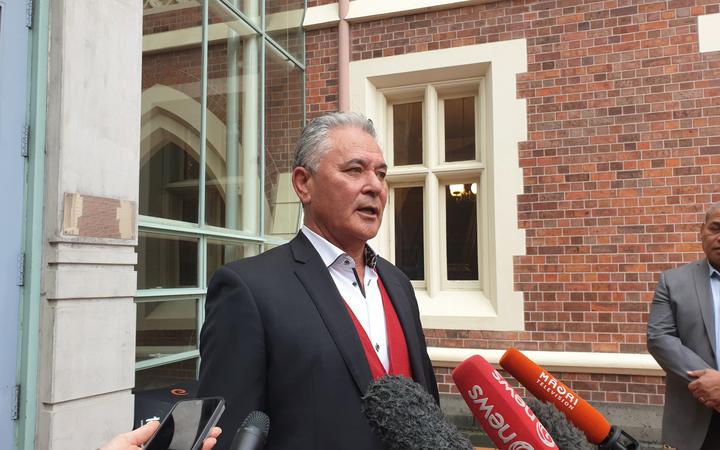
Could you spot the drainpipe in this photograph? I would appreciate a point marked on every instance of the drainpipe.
(343, 57)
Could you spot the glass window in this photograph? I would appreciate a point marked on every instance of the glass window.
(170, 121)
(409, 241)
(407, 133)
(283, 22)
(459, 129)
(249, 8)
(166, 261)
(435, 236)
(232, 137)
(213, 187)
(284, 115)
(166, 375)
(223, 252)
(461, 231)
(165, 328)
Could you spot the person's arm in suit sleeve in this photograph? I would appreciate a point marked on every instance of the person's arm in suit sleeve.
(427, 363)
(232, 351)
(663, 341)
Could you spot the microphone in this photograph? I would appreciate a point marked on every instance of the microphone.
(405, 417)
(564, 433)
(503, 414)
(252, 433)
(548, 388)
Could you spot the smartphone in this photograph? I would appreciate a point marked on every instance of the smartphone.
(187, 424)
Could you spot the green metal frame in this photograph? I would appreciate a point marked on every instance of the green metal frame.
(205, 232)
(29, 339)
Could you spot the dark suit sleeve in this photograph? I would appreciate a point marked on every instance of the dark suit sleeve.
(429, 373)
(663, 340)
(232, 351)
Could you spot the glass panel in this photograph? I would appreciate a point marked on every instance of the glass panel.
(461, 232)
(283, 23)
(233, 128)
(166, 375)
(250, 8)
(166, 261)
(170, 146)
(409, 242)
(222, 252)
(407, 134)
(460, 129)
(284, 116)
(166, 328)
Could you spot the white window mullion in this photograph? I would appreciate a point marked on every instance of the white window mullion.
(433, 237)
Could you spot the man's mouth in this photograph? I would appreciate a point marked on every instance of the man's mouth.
(368, 210)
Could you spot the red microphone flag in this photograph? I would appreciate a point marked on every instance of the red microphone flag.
(547, 388)
(503, 414)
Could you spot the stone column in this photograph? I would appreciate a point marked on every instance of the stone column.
(87, 342)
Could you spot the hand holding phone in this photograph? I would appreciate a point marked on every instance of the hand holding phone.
(187, 424)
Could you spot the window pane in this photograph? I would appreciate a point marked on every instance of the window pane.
(232, 197)
(461, 232)
(220, 252)
(283, 23)
(166, 328)
(166, 261)
(250, 8)
(407, 134)
(409, 242)
(170, 145)
(284, 115)
(166, 375)
(460, 129)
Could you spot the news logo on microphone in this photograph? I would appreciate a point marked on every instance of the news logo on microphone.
(501, 412)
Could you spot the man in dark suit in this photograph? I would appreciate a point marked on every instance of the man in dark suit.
(300, 331)
(683, 336)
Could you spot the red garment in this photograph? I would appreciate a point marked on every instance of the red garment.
(397, 347)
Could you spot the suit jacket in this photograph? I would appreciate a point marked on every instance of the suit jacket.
(681, 337)
(278, 338)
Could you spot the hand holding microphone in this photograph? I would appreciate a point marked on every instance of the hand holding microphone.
(546, 387)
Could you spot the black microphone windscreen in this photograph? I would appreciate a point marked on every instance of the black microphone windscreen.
(563, 432)
(405, 417)
(252, 433)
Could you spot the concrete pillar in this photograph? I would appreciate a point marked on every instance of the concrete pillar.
(87, 342)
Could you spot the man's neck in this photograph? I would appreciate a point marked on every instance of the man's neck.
(355, 251)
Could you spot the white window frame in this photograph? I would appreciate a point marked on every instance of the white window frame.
(492, 303)
(434, 174)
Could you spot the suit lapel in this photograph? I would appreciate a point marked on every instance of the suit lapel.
(319, 285)
(705, 300)
(405, 315)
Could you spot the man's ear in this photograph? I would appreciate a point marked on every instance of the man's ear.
(302, 183)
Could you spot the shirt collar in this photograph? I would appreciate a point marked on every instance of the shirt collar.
(712, 270)
(330, 253)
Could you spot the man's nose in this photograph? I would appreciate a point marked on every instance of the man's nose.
(373, 184)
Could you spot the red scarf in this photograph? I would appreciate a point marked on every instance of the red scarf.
(397, 347)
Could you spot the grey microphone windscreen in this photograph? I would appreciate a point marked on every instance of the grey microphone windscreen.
(563, 432)
(405, 417)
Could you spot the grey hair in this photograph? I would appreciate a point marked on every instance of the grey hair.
(711, 210)
(314, 142)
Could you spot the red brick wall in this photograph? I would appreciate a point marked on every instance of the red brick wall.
(633, 389)
(321, 73)
(622, 158)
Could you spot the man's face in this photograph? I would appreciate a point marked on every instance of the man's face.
(345, 198)
(710, 235)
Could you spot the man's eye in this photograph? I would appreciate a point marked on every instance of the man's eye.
(382, 175)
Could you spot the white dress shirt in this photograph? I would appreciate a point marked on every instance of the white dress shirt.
(367, 307)
(715, 290)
